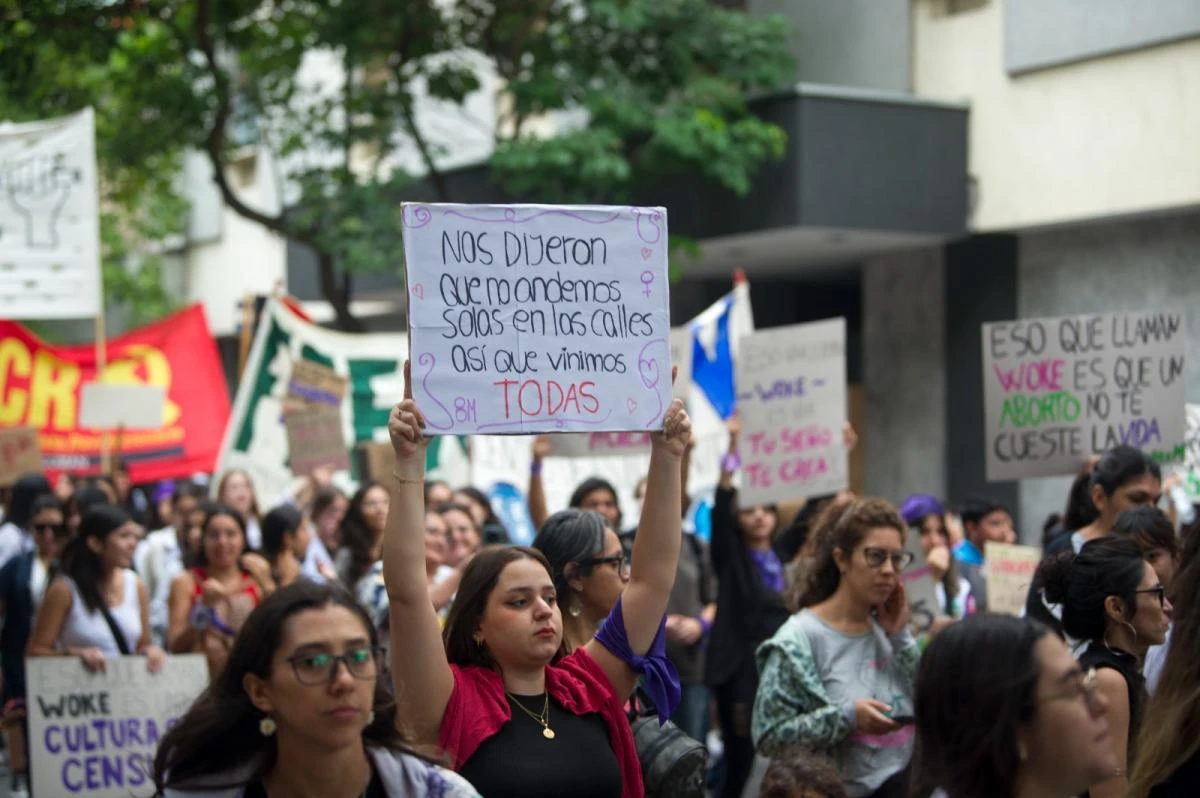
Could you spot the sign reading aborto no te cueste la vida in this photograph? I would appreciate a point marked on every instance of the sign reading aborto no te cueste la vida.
(538, 318)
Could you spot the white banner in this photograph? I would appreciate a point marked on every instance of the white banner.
(96, 733)
(791, 384)
(538, 318)
(49, 219)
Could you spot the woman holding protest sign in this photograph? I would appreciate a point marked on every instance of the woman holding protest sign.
(299, 710)
(838, 676)
(211, 600)
(97, 608)
(518, 714)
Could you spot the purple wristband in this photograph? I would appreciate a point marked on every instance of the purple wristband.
(731, 462)
(535, 468)
(704, 624)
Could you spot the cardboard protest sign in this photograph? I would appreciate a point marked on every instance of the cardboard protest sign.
(791, 384)
(1010, 570)
(96, 733)
(538, 318)
(20, 454)
(315, 440)
(376, 460)
(111, 405)
(1059, 390)
(920, 587)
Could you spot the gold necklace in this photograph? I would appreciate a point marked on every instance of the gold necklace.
(543, 718)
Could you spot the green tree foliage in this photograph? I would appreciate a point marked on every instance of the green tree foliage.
(640, 90)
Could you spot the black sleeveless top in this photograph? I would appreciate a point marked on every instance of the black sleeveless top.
(1099, 655)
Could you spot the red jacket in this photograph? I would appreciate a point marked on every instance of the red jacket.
(478, 709)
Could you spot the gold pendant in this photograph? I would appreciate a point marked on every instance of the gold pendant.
(548, 733)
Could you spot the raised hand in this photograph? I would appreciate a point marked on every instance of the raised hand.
(676, 431)
(406, 426)
(894, 613)
(543, 447)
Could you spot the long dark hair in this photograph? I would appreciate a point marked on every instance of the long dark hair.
(83, 565)
(219, 733)
(842, 530)
(1081, 582)
(357, 537)
(478, 581)
(979, 668)
(591, 485)
(478, 496)
(20, 503)
(1120, 465)
(214, 512)
(276, 526)
(570, 536)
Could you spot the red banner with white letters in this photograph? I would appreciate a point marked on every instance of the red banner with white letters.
(41, 385)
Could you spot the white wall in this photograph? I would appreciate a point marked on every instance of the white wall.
(1111, 136)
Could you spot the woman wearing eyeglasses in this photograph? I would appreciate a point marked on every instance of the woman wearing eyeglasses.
(1004, 711)
(1114, 603)
(589, 567)
(299, 710)
(838, 675)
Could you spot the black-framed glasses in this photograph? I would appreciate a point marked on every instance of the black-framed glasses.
(617, 561)
(57, 530)
(1157, 590)
(1085, 685)
(320, 667)
(876, 557)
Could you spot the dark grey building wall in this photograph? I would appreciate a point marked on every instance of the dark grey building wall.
(860, 43)
(1046, 33)
(981, 286)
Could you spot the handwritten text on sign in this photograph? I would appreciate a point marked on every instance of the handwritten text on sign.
(537, 318)
(1010, 570)
(791, 384)
(96, 733)
(1058, 390)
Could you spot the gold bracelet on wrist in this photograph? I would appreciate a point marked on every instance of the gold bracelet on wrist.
(407, 480)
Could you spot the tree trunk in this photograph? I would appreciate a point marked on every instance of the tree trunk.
(338, 299)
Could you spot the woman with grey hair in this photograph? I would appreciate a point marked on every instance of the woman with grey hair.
(589, 567)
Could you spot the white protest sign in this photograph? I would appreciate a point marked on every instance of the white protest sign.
(1059, 390)
(49, 219)
(1191, 461)
(791, 384)
(96, 733)
(105, 405)
(538, 318)
(682, 345)
(920, 587)
(1010, 571)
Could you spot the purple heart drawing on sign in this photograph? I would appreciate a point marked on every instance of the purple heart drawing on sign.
(419, 291)
(646, 253)
(648, 371)
(631, 403)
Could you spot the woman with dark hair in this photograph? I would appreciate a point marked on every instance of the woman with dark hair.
(589, 569)
(1112, 601)
(839, 673)
(926, 516)
(285, 541)
(236, 490)
(211, 600)
(299, 710)
(593, 494)
(97, 608)
(1079, 511)
(518, 714)
(362, 533)
(1167, 764)
(23, 584)
(14, 534)
(492, 529)
(1122, 479)
(748, 558)
(82, 500)
(1004, 711)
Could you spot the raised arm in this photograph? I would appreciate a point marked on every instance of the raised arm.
(420, 672)
(536, 495)
(655, 550)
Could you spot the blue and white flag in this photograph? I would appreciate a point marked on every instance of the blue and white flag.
(716, 333)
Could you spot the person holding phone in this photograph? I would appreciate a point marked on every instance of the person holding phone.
(838, 675)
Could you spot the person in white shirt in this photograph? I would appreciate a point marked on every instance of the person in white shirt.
(160, 556)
